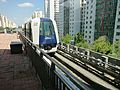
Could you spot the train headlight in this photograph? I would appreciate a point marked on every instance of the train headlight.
(42, 46)
(47, 47)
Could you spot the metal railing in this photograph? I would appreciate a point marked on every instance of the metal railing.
(48, 73)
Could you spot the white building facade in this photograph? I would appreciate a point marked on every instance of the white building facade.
(64, 17)
(117, 24)
(90, 14)
(75, 16)
(56, 12)
(5, 22)
(37, 14)
(61, 18)
(49, 8)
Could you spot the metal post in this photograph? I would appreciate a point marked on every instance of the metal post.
(106, 61)
(52, 69)
(88, 54)
(68, 47)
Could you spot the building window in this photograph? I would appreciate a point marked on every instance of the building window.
(91, 1)
(118, 26)
(89, 36)
(118, 33)
(87, 2)
(90, 22)
(90, 17)
(119, 12)
(89, 41)
(86, 22)
(90, 32)
(91, 6)
(90, 27)
(91, 12)
(118, 19)
(117, 39)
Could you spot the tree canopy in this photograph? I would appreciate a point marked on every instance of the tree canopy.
(116, 49)
(79, 40)
(66, 39)
(102, 45)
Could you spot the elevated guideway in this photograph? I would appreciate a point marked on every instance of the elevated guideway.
(55, 72)
(92, 79)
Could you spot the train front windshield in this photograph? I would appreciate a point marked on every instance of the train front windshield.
(46, 28)
(47, 33)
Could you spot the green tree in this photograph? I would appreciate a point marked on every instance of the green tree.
(78, 38)
(79, 41)
(66, 39)
(116, 49)
(102, 45)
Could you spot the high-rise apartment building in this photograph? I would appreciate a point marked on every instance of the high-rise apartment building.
(56, 12)
(89, 23)
(92, 18)
(82, 15)
(105, 18)
(37, 14)
(64, 17)
(45, 7)
(100, 20)
(5, 22)
(49, 8)
(74, 16)
(61, 18)
(0, 21)
(70, 17)
(117, 23)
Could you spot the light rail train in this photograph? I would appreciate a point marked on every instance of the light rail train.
(43, 32)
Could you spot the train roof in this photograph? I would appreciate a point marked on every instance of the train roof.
(41, 19)
(45, 19)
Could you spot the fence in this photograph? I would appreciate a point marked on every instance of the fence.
(48, 73)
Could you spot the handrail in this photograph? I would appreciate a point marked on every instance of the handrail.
(51, 73)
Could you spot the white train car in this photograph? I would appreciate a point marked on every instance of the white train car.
(43, 32)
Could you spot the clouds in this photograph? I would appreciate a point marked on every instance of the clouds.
(3, 1)
(25, 5)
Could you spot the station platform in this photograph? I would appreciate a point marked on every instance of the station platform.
(16, 72)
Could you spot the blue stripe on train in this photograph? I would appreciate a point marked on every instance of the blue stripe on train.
(47, 40)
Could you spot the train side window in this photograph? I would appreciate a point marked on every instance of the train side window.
(41, 28)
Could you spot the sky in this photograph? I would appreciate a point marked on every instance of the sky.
(20, 10)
